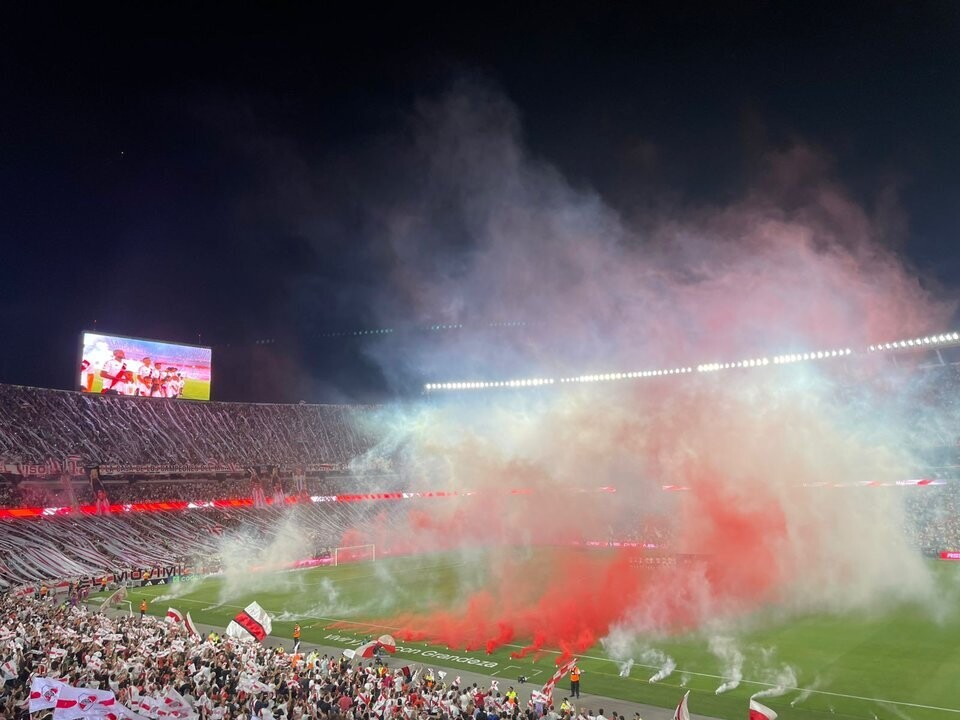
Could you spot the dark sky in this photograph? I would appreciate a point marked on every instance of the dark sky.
(150, 163)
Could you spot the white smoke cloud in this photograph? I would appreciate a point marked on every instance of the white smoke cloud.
(806, 692)
(727, 651)
(782, 681)
(665, 664)
(254, 558)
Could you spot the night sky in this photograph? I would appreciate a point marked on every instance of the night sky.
(215, 178)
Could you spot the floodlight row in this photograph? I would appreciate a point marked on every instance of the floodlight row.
(485, 385)
(930, 341)
(917, 342)
(625, 375)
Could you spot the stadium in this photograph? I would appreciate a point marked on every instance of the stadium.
(534, 363)
(363, 536)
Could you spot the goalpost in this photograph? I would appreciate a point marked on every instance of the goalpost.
(118, 598)
(354, 553)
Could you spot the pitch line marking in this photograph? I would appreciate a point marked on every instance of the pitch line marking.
(653, 667)
(506, 668)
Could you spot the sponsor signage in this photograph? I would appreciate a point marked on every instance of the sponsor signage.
(437, 655)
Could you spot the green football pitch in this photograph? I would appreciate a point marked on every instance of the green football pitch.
(902, 664)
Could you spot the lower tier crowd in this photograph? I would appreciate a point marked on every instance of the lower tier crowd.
(157, 669)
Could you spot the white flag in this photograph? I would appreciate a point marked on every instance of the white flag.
(44, 692)
(118, 711)
(148, 705)
(191, 628)
(761, 712)
(683, 712)
(252, 623)
(73, 703)
(174, 705)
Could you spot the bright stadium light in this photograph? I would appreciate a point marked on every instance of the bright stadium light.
(950, 338)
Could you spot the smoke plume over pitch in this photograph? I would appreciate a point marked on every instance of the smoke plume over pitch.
(485, 234)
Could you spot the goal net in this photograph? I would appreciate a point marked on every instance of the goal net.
(118, 599)
(354, 553)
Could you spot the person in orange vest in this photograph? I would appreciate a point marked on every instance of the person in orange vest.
(575, 681)
(296, 638)
(143, 609)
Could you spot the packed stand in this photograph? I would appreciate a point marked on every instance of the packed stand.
(156, 668)
(37, 424)
(933, 518)
(15, 493)
(85, 546)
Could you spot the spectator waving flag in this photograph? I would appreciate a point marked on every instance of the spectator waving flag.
(251, 623)
(557, 676)
(174, 705)
(174, 616)
(144, 704)
(44, 692)
(683, 712)
(191, 628)
(761, 712)
(117, 711)
(74, 703)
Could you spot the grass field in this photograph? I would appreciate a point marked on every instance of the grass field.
(900, 665)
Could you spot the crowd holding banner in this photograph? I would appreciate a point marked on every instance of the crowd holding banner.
(67, 663)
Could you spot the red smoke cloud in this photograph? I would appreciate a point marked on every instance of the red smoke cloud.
(568, 598)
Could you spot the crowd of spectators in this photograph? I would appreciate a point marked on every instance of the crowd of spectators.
(85, 546)
(933, 518)
(37, 425)
(55, 493)
(153, 666)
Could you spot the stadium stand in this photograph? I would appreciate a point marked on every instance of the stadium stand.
(90, 546)
(158, 669)
(37, 424)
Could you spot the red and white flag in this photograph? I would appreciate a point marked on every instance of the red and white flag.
(174, 705)
(147, 704)
(761, 712)
(557, 676)
(8, 671)
(252, 623)
(683, 712)
(118, 711)
(191, 628)
(73, 703)
(44, 692)
(538, 696)
(174, 616)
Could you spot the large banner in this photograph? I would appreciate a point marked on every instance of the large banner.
(115, 365)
